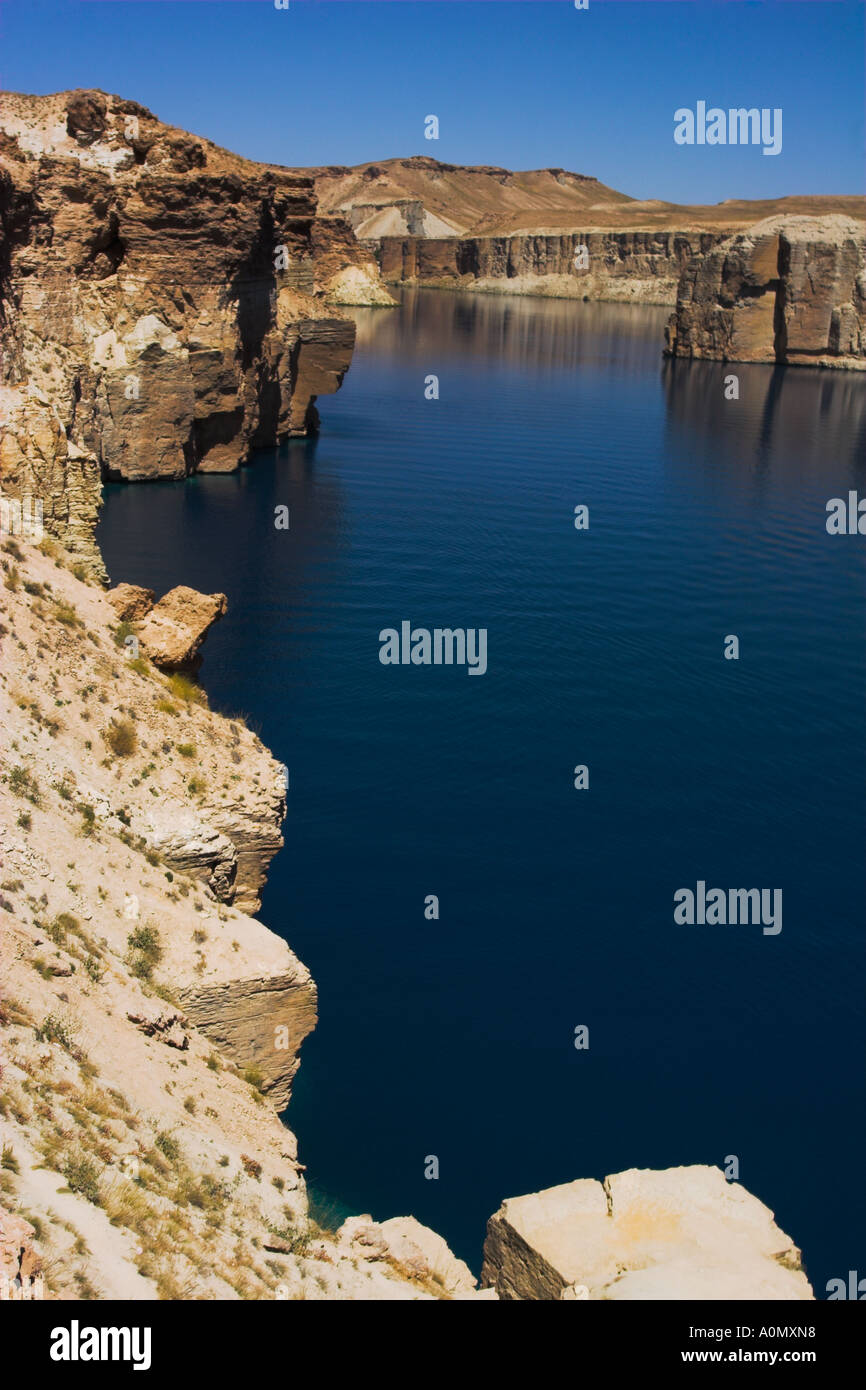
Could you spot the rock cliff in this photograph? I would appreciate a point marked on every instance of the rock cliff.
(681, 1233)
(790, 290)
(609, 265)
(165, 306)
(149, 1025)
(544, 232)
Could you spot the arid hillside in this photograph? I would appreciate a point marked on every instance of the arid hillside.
(149, 1028)
(420, 196)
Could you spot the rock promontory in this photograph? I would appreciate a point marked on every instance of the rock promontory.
(165, 306)
(789, 290)
(678, 1233)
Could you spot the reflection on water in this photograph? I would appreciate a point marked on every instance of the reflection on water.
(793, 426)
(526, 332)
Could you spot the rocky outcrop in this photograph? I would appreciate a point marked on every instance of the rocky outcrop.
(790, 290)
(679, 1233)
(604, 265)
(259, 1013)
(164, 305)
(174, 629)
(130, 601)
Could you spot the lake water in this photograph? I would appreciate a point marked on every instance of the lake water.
(455, 1037)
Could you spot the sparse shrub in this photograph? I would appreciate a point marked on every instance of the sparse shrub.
(95, 969)
(146, 951)
(186, 750)
(253, 1077)
(8, 1161)
(121, 632)
(189, 1105)
(195, 786)
(55, 1030)
(121, 737)
(182, 688)
(140, 666)
(65, 613)
(167, 1145)
(23, 783)
(25, 820)
(82, 1175)
(64, 922)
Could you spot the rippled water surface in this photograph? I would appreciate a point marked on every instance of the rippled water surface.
(454, 1037)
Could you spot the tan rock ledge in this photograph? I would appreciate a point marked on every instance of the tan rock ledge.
(678, 1233)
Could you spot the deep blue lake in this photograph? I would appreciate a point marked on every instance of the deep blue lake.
(455, 1037)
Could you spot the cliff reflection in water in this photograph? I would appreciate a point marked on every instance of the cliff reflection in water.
(791, 426)
(561, 334)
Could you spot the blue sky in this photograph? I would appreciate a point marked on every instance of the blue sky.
(522, 83)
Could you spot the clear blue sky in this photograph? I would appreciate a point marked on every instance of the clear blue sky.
(522, 83)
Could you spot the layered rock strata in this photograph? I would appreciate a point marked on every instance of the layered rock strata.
(165, 306)
(790, 290)
(605, 265)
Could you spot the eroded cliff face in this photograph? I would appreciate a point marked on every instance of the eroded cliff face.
(616, 266)
(790, 290)
(165, 306)
(149, 1024)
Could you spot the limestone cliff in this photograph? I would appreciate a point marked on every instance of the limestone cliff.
(679, 1233)
(790, 290)
(546, 232)
(149, 1026)
(642, 266)
(165, 306)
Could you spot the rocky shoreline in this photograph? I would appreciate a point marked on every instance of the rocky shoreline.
(150, 1025)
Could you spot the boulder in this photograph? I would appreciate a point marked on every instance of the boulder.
(167, 1025)
(426, 1253)
(175, 628)
(678, 1233)
(130, 602)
